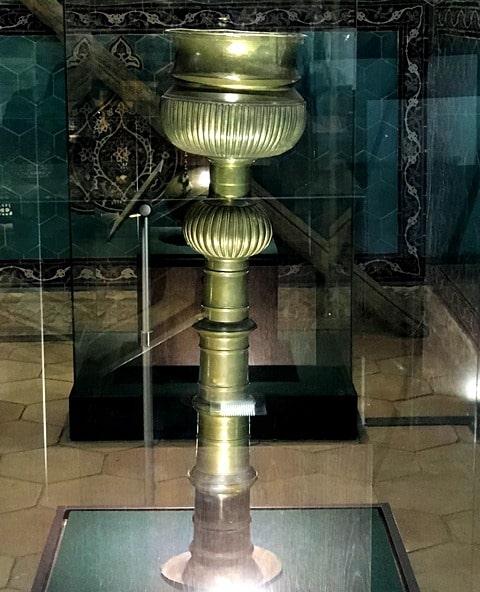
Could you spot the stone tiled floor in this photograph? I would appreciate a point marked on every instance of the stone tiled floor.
(432, 376)
(427, 474)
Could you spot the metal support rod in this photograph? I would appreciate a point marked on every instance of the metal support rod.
(145, 337)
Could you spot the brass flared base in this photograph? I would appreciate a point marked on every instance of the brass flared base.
(267, 563)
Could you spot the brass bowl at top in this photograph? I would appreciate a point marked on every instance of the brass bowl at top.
(237, 60)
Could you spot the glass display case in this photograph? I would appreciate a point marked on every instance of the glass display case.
(240, 316)
(299, 287)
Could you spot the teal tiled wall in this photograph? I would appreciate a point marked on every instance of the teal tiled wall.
(350, 144)
(377, 133)
(454, 157)
(321, 164)
(33, 161)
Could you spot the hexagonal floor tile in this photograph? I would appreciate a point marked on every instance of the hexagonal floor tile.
(170, 462)
(59, 371)
(28, 392)
(16, 494)
(456, 384)
(395, 387)
(420, 530)
(12, 370)
(62, 464)
(10, 411)
(412, 438)
(311, 490)
(98, 490)
(389, 463)
(404, 365)
(24, 531)
(464, 527)
(434, 405)
(25, 435)
(449, 579)
(438, 494)
(23, 572)
(461, 456)
(446, 556)
(6, 564)
(56, 412)
(55, 352)
(176, 493)
(381, 346)
(364, 366)
(354, 461)
(465, 434)
(375, 407)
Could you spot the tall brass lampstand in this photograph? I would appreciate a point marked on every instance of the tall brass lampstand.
(232, 102)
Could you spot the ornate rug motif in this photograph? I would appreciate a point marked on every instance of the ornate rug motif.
(112, 149)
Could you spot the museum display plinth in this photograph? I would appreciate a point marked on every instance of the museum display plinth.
(331, 549)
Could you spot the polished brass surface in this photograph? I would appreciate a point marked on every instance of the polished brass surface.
(222, 231)
(232, 130)
(233, 125)
(267, 565)
(232, 103)
(235, 59)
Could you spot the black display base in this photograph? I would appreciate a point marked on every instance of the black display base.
(301, 403)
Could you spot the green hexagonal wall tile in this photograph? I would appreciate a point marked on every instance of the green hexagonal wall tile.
(17, 53)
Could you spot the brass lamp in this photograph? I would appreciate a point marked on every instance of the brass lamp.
(232, 102)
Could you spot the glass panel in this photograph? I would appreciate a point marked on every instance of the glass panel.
(93, 538)
(363, 367)
(306, 269)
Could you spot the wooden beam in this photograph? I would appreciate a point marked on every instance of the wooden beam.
(106, 67)
(317, 250)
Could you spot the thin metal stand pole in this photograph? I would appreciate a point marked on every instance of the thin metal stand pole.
(145, 338)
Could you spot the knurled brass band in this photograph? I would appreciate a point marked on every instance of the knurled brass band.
(227, 231)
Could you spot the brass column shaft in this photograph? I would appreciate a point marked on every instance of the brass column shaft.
(230, 179)
(225, 297)
(223, 438)
(233, 103)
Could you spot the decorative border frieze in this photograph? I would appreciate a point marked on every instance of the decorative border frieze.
(110, 272)
(155, 18)
(411, 22)
(59, 273)
(459, 18)
(18, 20)
(33, 273)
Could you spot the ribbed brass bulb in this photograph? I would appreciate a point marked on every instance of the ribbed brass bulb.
(227, 231)
(232, 125)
